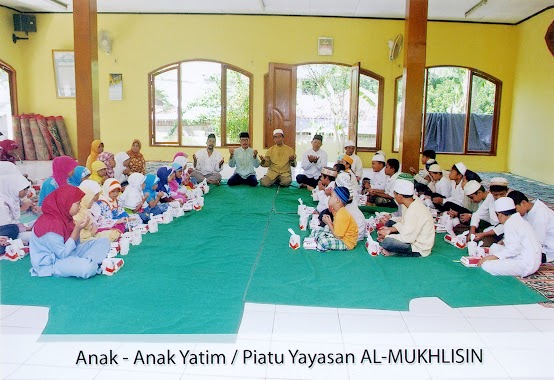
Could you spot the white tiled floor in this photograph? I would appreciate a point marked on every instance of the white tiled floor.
(517, 342)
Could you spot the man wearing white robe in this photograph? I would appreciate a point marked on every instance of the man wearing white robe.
(521, 253)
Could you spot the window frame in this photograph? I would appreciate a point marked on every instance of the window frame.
(496, 113)
(177, 66)
(12, 79)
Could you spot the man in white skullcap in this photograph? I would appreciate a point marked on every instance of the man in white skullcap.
(541, 219)
(521, 253)
(357, 166)
(484, 223)
(279, 159)
(414, 234)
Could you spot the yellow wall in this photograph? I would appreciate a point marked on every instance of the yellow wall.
(532, 130)
(143, 43)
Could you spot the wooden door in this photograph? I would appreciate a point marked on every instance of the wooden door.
(280, 107)
(354, 99)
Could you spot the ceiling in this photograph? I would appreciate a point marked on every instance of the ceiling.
(493, 11)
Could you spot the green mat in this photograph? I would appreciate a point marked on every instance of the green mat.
(194, 275)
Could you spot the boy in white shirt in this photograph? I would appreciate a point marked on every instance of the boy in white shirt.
(484, 222)
(541, 219)
(385, 197)
(357, 166)
(521, 253)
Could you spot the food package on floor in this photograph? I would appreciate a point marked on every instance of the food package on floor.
(188, 206)
(309, 243)
(153, 226)
(372, 246)
(114, 249)
(470, 261)
(174, 204)
(303, 223)
(314, 221)
(458, 241)
(370, 225)
(158, 218)
(294, 240)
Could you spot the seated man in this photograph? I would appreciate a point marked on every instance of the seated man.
(279, 159)
(245, 159)
(357, 166)
(484, 223)
(341, 231)
(541, 219)
(313, 161)
(208, 163)
(521, 253)
(414, 234)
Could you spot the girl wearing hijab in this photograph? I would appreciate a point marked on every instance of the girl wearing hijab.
(8, 150)
(98, 169)
(154, 207)
(137, 163)
(79, 175)
(133, 199)
(12, 188)
(109, 160)
(110, 210)
(166, 175)
(175, 184)
(121, 171)
(55, 246)
(92, 192)
(96, 148)
(186, 180)
(62, 168)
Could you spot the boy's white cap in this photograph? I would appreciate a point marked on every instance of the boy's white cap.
(349, 143)
(379, 158)
(499, 181)
(278, 130)
(382, 153)
(471, 187)
(461, 167)
(504, 204)
(435, 168)
(404, 187)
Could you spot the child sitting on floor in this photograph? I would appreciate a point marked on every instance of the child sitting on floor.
(154, 206)
(341, 233)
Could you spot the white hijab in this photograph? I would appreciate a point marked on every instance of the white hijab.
(119, 167)
(132, 196)
(10, 186)
(7, 168)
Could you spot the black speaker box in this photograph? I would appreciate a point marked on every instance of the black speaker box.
(24, 23)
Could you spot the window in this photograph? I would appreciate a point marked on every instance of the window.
(191, 99)
(8, 99)
(461, 111)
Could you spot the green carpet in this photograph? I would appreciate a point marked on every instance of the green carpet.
(194, 275)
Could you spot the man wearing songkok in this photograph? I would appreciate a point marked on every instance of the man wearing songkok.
(313, 160)
(414, 234)
(279, 159)
(521, 253)
(491, 230)
(341, 231)
(541, 219)
(208, 163)
(357, 166)
(245, 159)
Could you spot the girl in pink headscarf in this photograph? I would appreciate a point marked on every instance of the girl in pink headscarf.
(62, 169)
(109, 160)
(7, 151)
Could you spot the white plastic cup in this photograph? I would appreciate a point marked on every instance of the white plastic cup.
(152, 226)
(124, 247)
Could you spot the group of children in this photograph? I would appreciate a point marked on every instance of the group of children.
(112, 193)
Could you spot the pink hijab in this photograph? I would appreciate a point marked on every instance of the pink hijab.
(61, 167)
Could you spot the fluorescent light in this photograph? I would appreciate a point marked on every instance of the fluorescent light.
(34, 4)
(64, 5)
(470, 10)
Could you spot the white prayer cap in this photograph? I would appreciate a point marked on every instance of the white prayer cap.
(499, 181)
(504, 204)
(379, 158)
(471, 187)
(381, 152)
(349, 143)
(461, 168)
(435, 168)
(404, 187)
(277, 131)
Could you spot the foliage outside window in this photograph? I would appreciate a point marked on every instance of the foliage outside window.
(323, 107)
(461, 111)
(191, 99)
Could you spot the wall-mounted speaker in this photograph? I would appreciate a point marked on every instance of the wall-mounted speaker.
(24, 23)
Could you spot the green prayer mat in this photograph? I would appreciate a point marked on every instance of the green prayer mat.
(194, 275)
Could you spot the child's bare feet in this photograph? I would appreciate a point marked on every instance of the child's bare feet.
(384, 252)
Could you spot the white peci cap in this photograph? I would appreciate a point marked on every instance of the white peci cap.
(379, 158)
(435, 168)
(349, 143)
(461, 168)
(471, 187)
(504, 204)
(277, 131)
(404, 187)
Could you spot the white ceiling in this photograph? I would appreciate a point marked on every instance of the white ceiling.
(494, 11)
